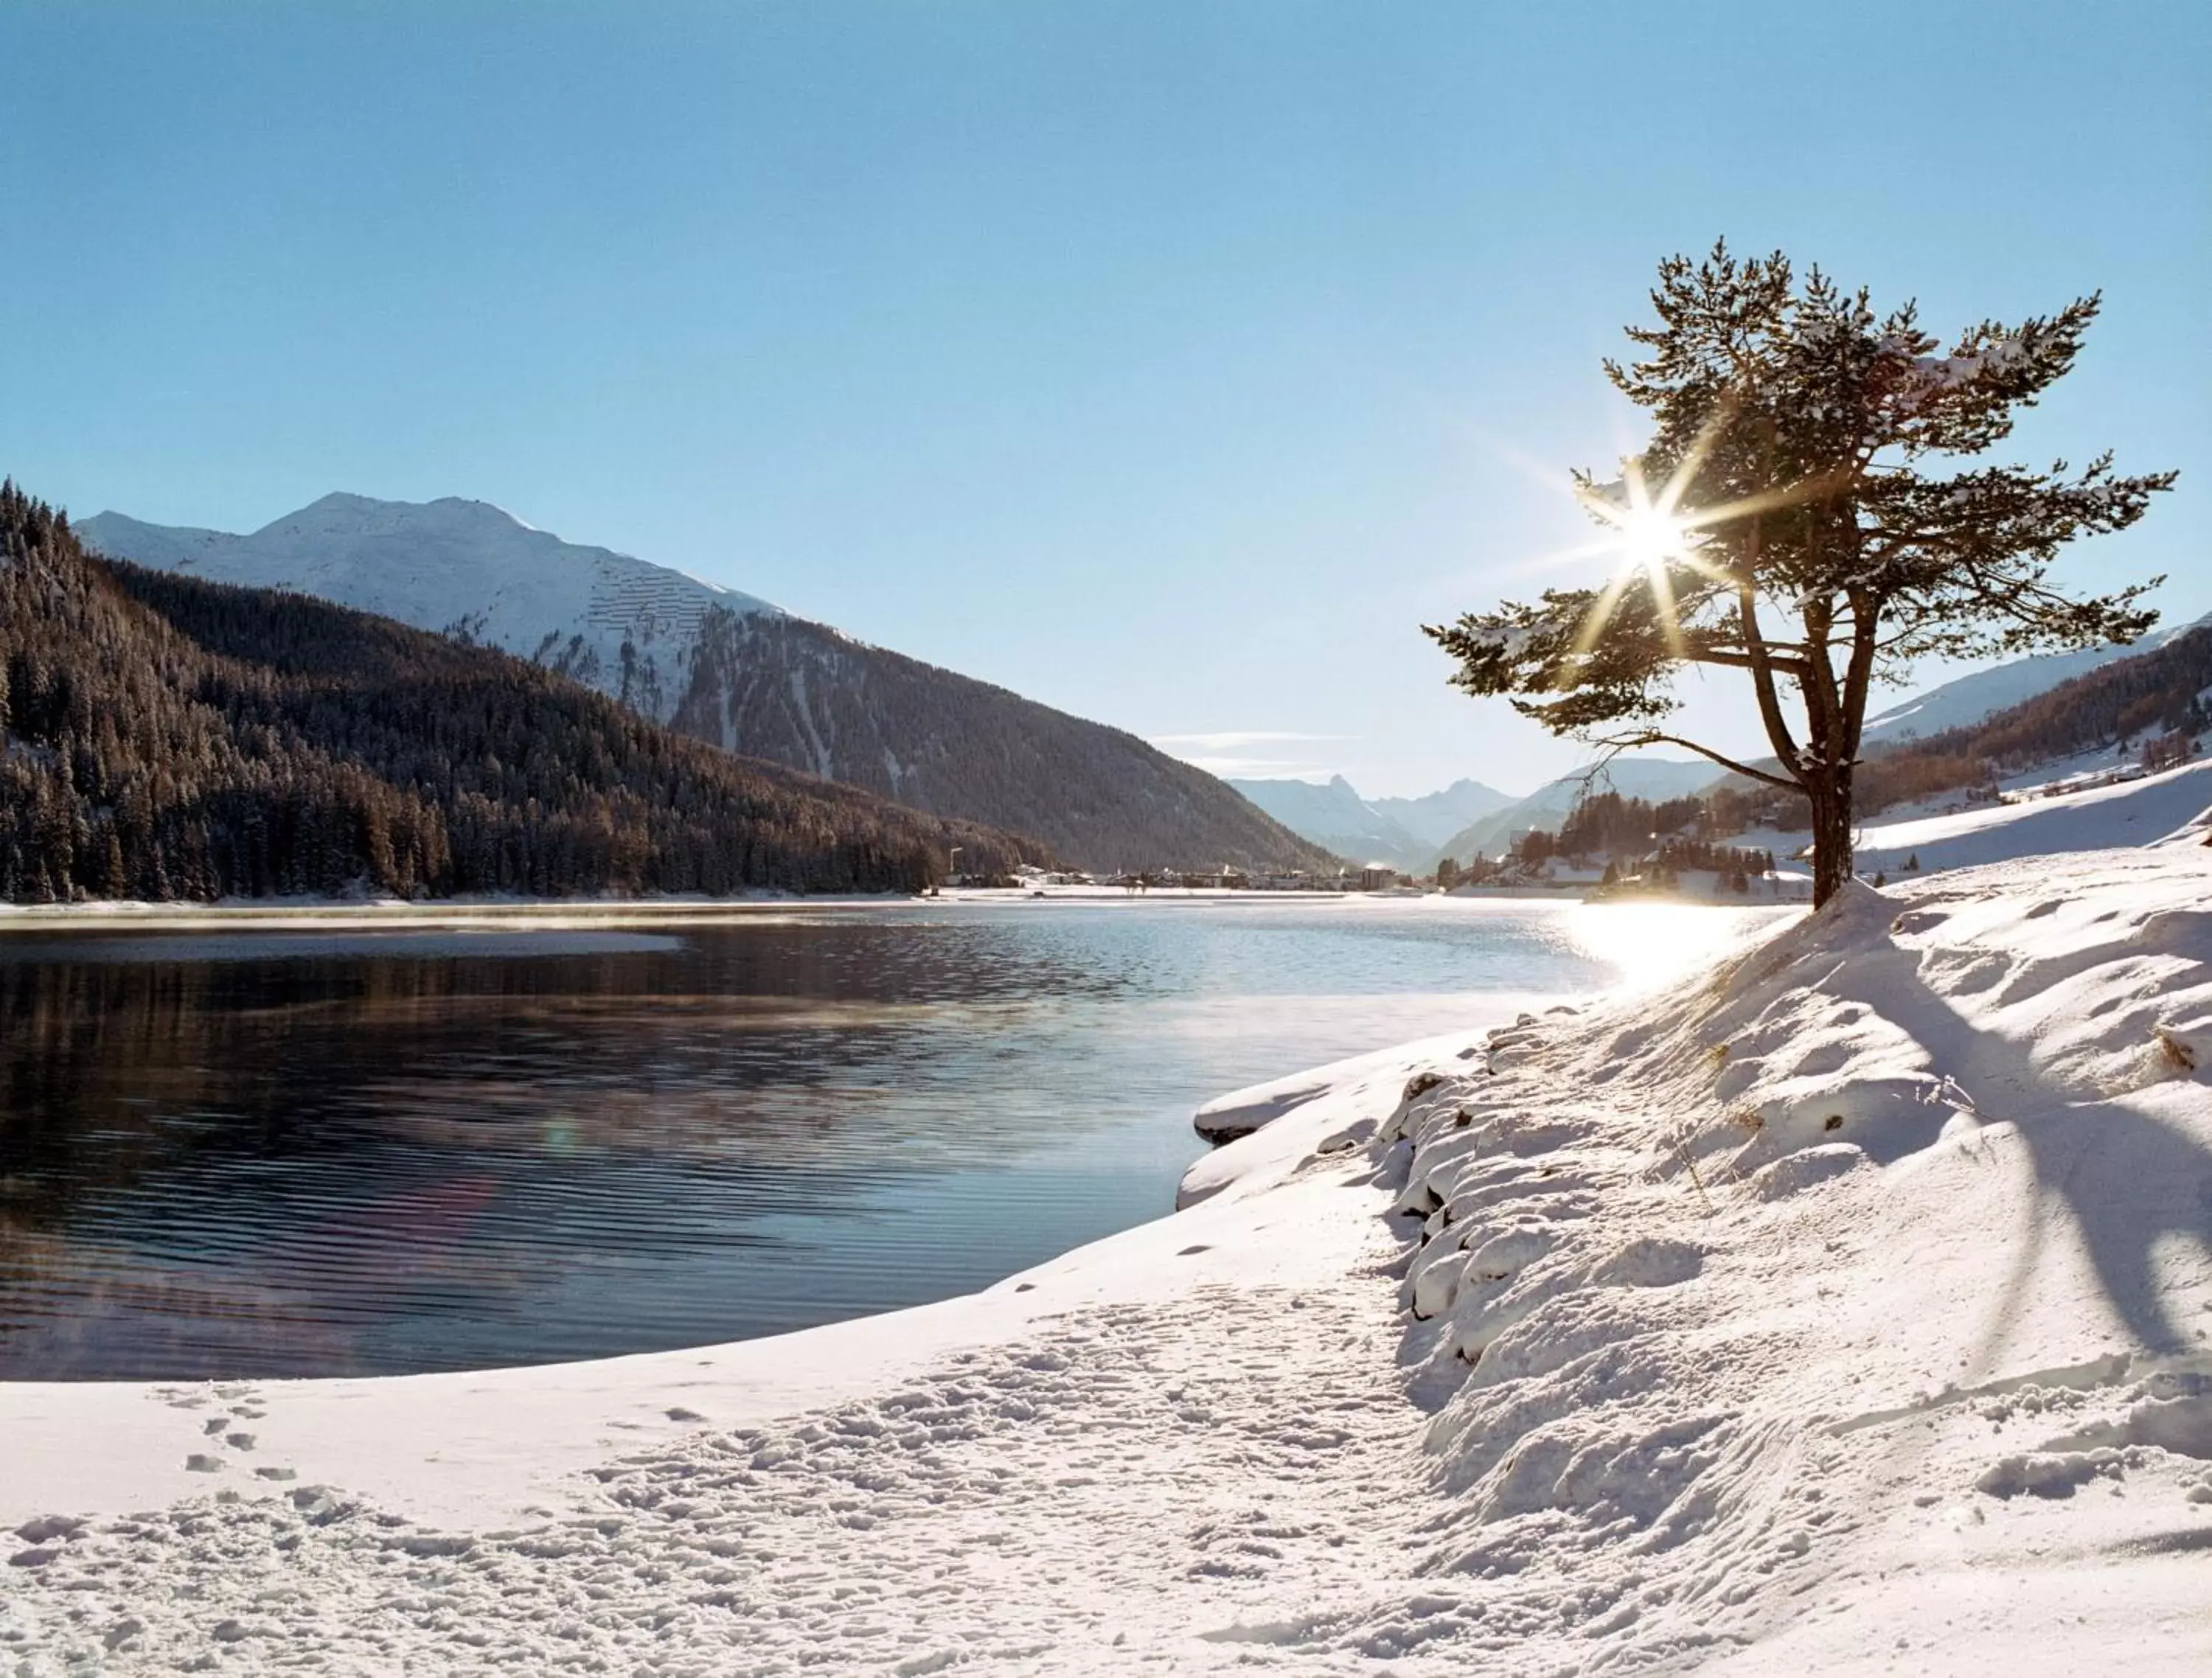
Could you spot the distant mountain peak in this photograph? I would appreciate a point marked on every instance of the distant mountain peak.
(341, 512)
(1403, 832)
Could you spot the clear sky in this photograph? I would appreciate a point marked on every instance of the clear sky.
(1170, 363)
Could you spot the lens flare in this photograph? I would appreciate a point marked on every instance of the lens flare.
(1649, 539)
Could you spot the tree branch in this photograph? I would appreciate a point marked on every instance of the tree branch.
(1866, 620)
(1761, 667)
(1620, 743)
(1745, 661)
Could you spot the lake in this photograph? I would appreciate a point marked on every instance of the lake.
(350, 1151)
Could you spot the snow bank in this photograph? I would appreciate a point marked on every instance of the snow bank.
(1887, 1252)
(1241, 1112)
(1848, 1307)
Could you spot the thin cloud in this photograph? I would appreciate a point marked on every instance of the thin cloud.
(1228, 739)
(1261, 768)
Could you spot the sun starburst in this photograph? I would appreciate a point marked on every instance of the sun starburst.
(1655, 542)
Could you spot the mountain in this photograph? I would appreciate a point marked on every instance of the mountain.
(1402, 832)
(1436, 816)
(2119, 707)
(1972, 699)
(1335, 817)
(466, 569)
(1653, 778)
(736, 672)
(162, 736)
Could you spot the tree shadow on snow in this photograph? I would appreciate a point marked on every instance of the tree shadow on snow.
(2127, 1178)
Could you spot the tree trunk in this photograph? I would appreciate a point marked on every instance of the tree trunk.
(1831, 840)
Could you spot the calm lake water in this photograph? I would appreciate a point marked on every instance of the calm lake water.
(370, 1153)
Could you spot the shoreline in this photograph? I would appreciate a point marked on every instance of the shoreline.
(1852, 1295)
(440, 915)
(569, 914)
(550, 914)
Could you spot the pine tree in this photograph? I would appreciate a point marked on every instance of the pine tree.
(1801, 531)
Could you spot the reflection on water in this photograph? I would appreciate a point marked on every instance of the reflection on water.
(359, 1152)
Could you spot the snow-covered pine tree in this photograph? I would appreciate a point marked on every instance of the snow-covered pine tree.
(1809, 511)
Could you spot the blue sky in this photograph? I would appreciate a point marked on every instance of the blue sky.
(1168, 363)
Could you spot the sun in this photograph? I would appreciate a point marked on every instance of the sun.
(1648, 537)
(1644, 531)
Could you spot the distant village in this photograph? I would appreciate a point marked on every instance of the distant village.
(1682, 869)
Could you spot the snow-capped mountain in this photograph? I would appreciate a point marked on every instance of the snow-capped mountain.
(1402, 832)
(466, 569)
(1412, 833)
(738, 672)
(1435, 816)
(1974, 698)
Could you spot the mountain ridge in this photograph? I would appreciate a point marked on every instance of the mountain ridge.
(739, 672)
(1982, 694)
(162, 736)
(1402, 832)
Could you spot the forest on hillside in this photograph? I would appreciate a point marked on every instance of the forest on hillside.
(2152, 700)
(2155, 694)
(802, 693)
(166, 738)
(2155, 700)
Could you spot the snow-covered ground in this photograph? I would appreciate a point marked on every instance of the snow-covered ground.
(2131, 813)
(1848, 1308)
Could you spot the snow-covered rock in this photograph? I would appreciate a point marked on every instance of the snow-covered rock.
(1857, 1261)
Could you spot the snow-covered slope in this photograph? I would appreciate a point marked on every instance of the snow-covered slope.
(732, 670)
(1843, 1310)
(1970, 699)
(2133, 812)
(1652, 778)
(466, 568)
